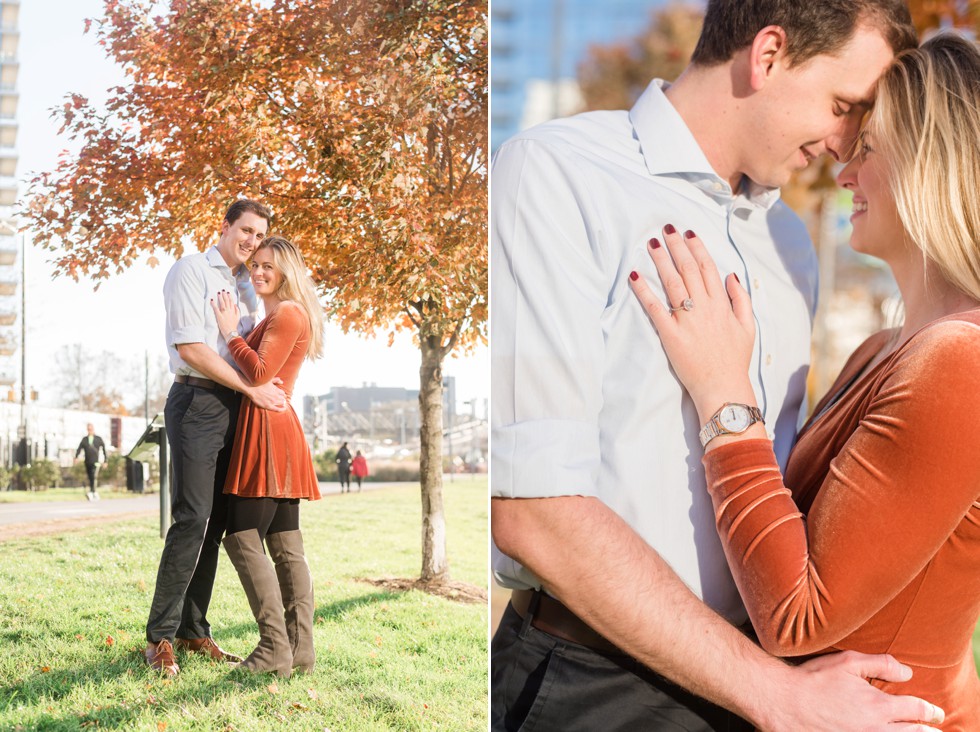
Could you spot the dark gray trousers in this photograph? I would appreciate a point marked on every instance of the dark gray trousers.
(200, 428)
(545, 684)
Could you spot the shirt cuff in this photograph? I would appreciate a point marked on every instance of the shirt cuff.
(545, 458)
(188, 334)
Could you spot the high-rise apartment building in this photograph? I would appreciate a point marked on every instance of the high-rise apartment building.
(9, 272)
(536, 47)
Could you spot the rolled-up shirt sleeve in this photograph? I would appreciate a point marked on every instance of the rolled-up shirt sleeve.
(549, 292)
(185, 299)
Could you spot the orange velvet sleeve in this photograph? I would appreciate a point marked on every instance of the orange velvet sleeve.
(903, 482)
(286, 326)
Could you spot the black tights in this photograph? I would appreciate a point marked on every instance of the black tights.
(265, 515)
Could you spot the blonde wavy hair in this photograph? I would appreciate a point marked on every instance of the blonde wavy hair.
(926, 122)
(297, 287)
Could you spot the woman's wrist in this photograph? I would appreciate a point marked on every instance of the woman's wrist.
(709, 404)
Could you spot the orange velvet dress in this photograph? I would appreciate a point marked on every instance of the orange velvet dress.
(270, 457)
(873, 542)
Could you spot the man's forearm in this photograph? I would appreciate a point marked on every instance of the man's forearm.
(202, 358)
(628, 593)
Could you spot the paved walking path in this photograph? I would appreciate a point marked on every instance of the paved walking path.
(46, 517)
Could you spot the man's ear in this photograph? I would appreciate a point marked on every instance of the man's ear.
(224, 226)
(766, 53)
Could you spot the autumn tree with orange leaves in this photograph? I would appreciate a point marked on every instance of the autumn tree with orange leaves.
(362, 123)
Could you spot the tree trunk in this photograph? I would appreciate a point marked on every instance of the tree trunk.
(435, 564)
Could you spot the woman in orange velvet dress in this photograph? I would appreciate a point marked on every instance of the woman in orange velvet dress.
(871, 539)
(271, 469)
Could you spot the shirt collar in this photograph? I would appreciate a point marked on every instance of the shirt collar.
(669, 149)
(216, 260)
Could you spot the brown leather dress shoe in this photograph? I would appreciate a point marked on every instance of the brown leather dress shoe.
(160, 657)
(207, 647)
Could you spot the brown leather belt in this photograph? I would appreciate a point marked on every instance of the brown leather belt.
(555, 619)
(195, 381)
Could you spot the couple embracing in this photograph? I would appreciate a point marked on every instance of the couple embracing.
(240, 461)
(652, 304)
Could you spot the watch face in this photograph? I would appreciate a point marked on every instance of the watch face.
(735, 418)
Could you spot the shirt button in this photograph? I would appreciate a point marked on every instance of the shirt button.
(771, 435)
(755, 283)
(768, 359)
(717, 186)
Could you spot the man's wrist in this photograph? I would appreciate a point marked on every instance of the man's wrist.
(772, 690)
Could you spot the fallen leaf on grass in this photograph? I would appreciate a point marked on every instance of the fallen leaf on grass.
(161, 726)
(79, 636)
(312, 694)
(301, 707)
(109, 640)
(45, 669)
(273, 688)
(377, 641)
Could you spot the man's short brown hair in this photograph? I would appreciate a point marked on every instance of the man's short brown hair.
(243, 205)
(813, 27)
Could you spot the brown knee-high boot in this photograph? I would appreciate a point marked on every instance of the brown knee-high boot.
(296, 585)
(262, 590)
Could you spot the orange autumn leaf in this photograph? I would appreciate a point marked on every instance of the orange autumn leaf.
(109, 640)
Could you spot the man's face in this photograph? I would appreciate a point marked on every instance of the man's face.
(90, 428)
(239, 239)
(815, 107)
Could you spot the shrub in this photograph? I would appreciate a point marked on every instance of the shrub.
(39, 475)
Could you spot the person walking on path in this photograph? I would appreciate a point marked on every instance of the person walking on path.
(201, 412)
(359, 469)
(90, 446)
(343, 467)
(271, 467)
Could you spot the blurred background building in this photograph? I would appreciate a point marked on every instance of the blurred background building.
(537, 46)
(385, 420)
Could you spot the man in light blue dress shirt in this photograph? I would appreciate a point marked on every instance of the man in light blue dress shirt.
(201, 416)
(623, 614)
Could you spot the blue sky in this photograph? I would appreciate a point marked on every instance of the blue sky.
(126, 315)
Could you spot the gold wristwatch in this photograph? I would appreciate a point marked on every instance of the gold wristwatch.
(731, 419)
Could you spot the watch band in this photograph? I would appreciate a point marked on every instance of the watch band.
(232, 334)
(714, 427)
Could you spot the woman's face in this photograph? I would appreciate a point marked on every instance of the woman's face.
(877, 228)
(265, 277)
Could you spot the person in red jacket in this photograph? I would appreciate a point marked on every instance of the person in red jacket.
(359, 469)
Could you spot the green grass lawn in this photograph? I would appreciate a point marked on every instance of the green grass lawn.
(73, 608)
(976, 647)
(61, 494)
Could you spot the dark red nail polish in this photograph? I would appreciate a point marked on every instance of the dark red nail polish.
(669, 229)
(654, 243)
(736, 278)
(689, 234)
(634, 276)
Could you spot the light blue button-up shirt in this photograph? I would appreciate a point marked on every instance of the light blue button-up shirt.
(190, 286)
(584, 401)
